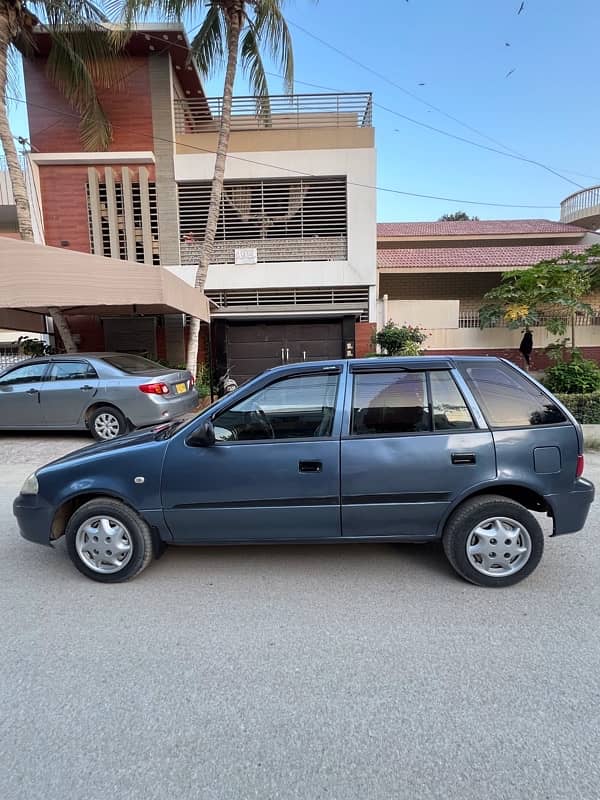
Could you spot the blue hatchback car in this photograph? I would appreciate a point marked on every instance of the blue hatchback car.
(460, 450)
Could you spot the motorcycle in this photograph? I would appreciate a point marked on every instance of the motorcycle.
(226, 384)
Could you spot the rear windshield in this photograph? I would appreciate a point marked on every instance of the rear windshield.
(508, 399)
(132, 364)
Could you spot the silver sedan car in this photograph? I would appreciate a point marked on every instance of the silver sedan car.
(105, 393)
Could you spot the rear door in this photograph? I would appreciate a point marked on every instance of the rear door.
(67, 391)
(410, 446)
(20, 396)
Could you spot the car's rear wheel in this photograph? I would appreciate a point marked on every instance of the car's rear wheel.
(493, 541)
(108, 542)
(107, 423)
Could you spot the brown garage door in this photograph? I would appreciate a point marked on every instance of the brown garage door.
(254, 347)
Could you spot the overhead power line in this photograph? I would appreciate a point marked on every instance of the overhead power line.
(281, 168)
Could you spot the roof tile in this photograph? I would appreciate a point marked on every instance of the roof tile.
(468, 257)
(484, 227)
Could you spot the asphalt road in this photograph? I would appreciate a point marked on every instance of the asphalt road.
(365, 671)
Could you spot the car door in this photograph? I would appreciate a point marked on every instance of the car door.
(66, 392)
(411, 446)
(20, 396)
(273, 472)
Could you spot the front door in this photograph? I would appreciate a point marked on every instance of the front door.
(273, 472)
(67, 391)
(20, 396)
(412, 447)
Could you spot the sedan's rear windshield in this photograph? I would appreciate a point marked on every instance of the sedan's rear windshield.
(132, 364)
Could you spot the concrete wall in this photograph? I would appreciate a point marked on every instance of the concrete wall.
(430, 314)
(358, 164)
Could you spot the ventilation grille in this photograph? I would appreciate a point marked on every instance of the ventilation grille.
(263, 299)
(285, 220)
(136, 199)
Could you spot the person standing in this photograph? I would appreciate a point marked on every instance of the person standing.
(526, 347)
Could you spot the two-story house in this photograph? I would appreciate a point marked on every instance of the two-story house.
(294, 269)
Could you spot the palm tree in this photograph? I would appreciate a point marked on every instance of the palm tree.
(235, 30)
(81, 60)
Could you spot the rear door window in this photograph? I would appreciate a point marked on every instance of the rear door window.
(508, 399)
(450, 411)
(71, 371)
(390, 403)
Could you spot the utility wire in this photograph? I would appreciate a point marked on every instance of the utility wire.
(512, 152)
(297, 171)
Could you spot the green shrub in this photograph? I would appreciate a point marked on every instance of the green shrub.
(577, 376)
(400, 341)
(584, 407)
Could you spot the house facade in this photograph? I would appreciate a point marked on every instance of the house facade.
(435, 275)
(294, 269)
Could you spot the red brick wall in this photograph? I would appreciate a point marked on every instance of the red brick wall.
(54, 129)
(363, 338)
(64, 201)
(90, 330)
(539, 359)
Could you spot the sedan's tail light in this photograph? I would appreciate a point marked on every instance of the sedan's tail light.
(192, 381)
(580, 466)
(154, 388)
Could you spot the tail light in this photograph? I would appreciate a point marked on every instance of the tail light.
(580, 466)
(192, 381)
(154, 388)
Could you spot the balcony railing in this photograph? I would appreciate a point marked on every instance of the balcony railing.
(278, 112)
(470, 319)
(316, 248)
(581, 205)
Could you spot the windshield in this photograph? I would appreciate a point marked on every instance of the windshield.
(132, 364)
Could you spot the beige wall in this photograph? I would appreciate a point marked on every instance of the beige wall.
(503, 338)
(430, 314)
(265, 140)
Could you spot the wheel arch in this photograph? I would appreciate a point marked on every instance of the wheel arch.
(102, 404)
(527, 497)
(67, 508)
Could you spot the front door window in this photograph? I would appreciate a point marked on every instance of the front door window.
(300, 407)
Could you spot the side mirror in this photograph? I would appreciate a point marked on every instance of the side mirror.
(204, 436)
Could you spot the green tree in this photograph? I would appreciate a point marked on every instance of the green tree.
(232, 31)
(81, 59)
(458, 216)
(552, 292)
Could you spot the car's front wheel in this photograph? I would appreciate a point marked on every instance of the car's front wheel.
(108, 542)
(107, 423)
(493, 541)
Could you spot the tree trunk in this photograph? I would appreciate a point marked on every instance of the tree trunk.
(233, 38)
(572, 331)
(17, 177)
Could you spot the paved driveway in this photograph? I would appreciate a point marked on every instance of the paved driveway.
(366, 671)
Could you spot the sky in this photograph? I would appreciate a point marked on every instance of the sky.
(461, 51)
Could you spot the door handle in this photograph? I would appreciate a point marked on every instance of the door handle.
(32, 391)
(310, 466)
(463, 458)
(85, 388)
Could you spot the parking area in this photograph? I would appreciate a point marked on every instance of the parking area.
(340, 672)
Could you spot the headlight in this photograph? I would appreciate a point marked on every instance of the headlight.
(31, 485)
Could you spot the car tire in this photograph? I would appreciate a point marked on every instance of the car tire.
(108, 541)
(106, 423)
(493, 541)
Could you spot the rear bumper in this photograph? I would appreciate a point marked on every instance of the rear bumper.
(162, 409)
(34, 518)
(570, 509)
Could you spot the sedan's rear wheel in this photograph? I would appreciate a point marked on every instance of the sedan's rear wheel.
(493, 541)
(108, 542)
(107, 423)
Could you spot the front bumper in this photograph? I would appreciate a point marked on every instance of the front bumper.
(570, 509)
(34, 518)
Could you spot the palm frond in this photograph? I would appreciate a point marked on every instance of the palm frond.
(252, 64)
(209, 44)
(69, 72)
(271, 30)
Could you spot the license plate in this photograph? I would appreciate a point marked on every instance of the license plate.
(181, 388)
